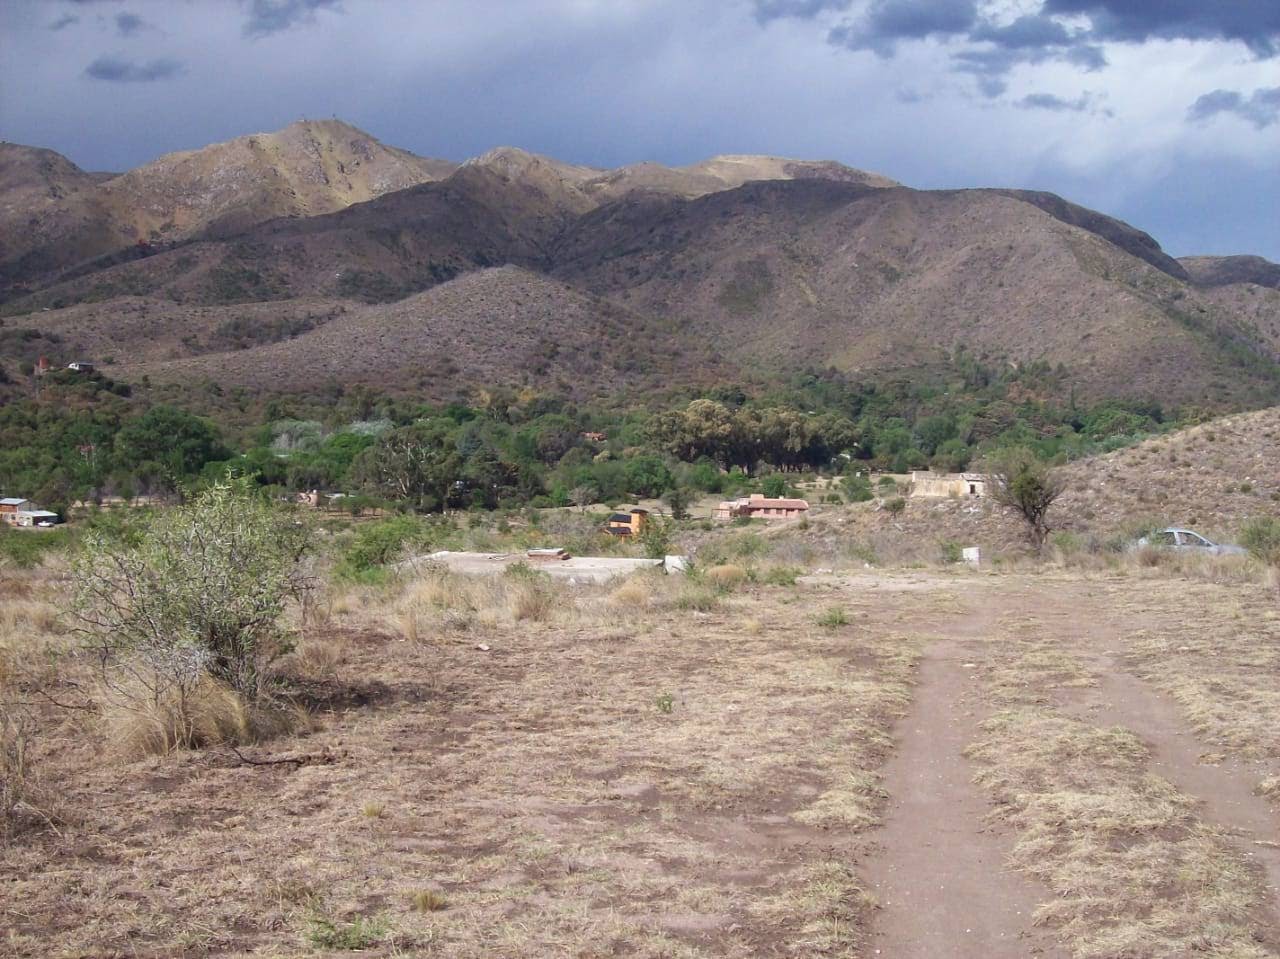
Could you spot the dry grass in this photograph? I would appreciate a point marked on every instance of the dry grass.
(725, 576)
(140, 722)
(536, 789)
(1209, 648)
(1132, 871)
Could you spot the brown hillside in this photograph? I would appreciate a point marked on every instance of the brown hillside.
(804, 265)
(308, 168)
(497, 327)
(819, 273)
(1225, 270)
(1213, 477)
(50, 213)
(134, 329)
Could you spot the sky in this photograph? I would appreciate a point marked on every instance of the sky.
(1165, 113)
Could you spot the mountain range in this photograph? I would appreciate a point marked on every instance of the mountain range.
(281, 262)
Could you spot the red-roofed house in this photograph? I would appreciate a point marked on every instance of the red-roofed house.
(759, 506)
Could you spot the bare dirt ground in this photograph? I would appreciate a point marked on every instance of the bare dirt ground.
(894, 763)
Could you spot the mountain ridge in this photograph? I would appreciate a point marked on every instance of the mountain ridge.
(750, 263)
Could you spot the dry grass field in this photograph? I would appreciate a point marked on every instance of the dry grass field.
(1047, 761)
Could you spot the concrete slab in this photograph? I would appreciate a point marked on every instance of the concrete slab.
(578, 569)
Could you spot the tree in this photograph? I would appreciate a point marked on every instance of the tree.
(198, 593)
(583, 496)
(774, 485)
(1020, 480)
(647, 476)
(168, 441)
(419, 464)
(678, 500)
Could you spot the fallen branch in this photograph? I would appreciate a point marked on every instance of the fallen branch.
(299, 760)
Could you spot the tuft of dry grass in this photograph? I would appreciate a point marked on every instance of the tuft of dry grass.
(725, 576)
(429, 900)
(21, 794)
(635, 592)
(141, 722)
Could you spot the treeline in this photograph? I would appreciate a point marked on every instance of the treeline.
(88, 438)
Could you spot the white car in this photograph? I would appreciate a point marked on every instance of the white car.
(1174, 537)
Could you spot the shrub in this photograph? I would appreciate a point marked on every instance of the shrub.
(695, 598)
(950, 552)
(377, 544)
(196, 597)
(1261, 537)
(655, 537)
(857, 489)
(360, 933)
(895, 506)
(725, 577)
(781, 576)
(833, 617)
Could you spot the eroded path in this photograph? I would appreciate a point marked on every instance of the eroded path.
(941, 880)
(1049, 656)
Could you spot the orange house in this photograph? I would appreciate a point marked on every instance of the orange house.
(627, 524)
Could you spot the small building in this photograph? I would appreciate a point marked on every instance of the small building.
(22, 512)
(759, 506)
(80, 366)
(630, 523)
(10, 507)
(948, 485)
(37, 517)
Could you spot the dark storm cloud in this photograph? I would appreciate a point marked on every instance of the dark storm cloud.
(119, 70)
(1255, 23)
(1066, 31)
(767, 10)
(1261, 108)
(129, 23)
(888, 21)
(64, 21)
(272, 16)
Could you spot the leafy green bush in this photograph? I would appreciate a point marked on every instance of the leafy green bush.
(857, 489)
(379, 543)
(200, 593)
(833, 617)
(1261, 537)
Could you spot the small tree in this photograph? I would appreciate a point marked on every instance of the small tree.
(583, 496)
(1022, 481)
(678, 500)
(200, 592)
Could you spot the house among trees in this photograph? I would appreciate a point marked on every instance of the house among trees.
(80, 366)
(948, 485)
(22, 512)
(629, 523)
(759, 506)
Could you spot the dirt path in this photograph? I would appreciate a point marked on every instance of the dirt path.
(941, 880)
